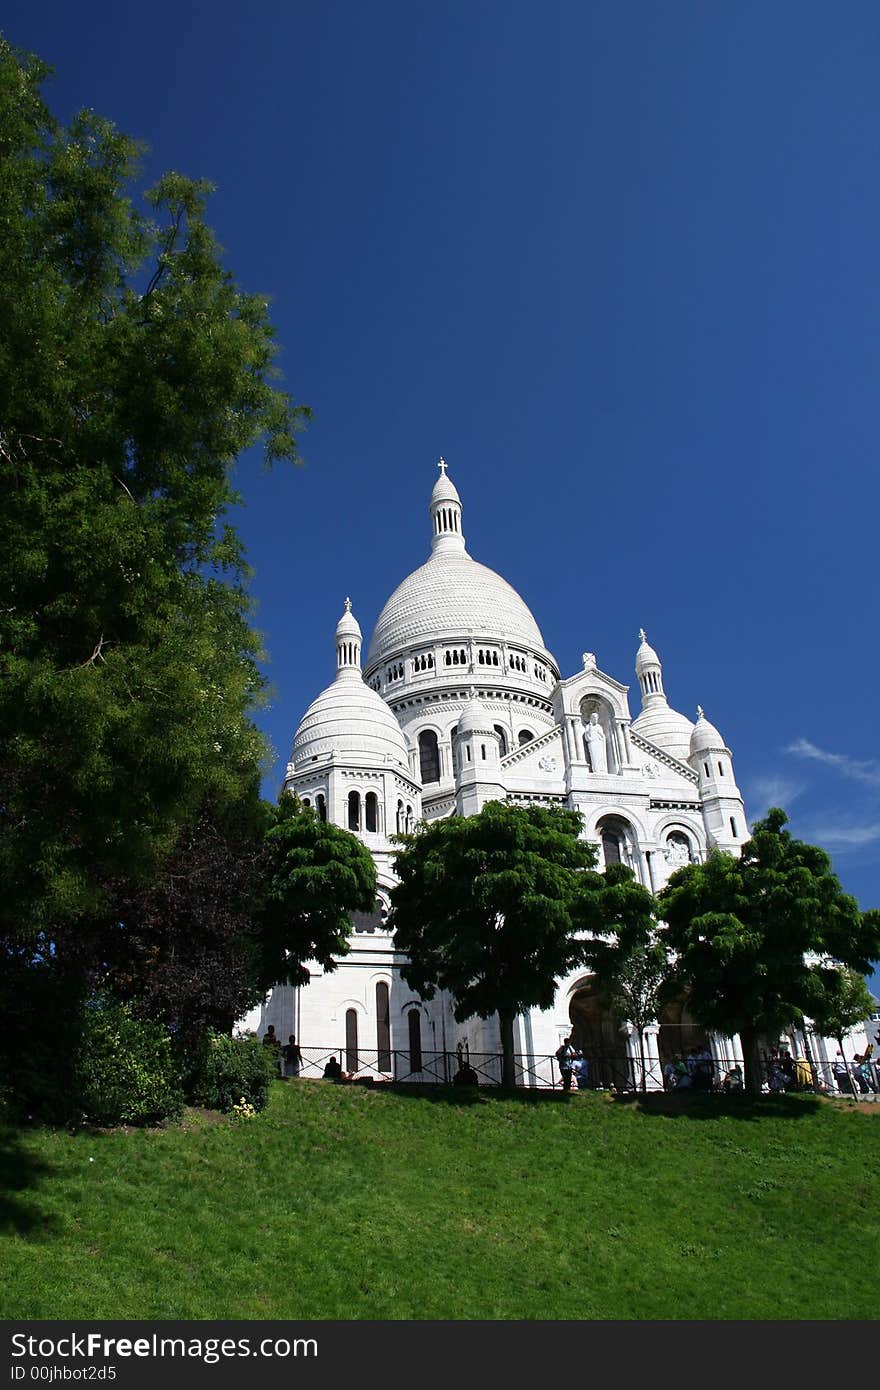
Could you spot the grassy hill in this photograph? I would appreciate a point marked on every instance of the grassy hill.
(342, 1202)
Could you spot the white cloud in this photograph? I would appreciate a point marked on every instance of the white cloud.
(773, 790)
(866, 771)
(846, 836)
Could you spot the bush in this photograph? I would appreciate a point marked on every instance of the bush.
(125, 1071)
(234, 1069)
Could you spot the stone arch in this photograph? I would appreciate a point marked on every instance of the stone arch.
(601, 1037)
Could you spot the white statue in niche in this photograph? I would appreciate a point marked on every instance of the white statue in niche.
(677, 851)
(596, 750)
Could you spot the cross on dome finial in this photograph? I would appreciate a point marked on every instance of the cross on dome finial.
(699, 711)
(441, 464)
(643, 636)
(348, 605)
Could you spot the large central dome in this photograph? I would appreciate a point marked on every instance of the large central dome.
(452, 595)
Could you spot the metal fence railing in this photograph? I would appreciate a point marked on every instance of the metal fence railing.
(597, 1071)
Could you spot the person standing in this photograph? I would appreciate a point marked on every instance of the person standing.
(292, 1057)
(566, 1055)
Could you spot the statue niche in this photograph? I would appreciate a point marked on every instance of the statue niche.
(594, 738)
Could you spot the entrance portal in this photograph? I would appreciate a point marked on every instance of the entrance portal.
(596, 1031)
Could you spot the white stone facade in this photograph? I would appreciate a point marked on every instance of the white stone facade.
(459, 703)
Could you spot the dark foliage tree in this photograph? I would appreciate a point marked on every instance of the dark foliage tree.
(752, 936)
(626, 952)
(133, 373)
(485, 908)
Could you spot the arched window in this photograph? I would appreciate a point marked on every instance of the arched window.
(354, 810)
(414, 1020)
(525, 737)
(429, 756)
(371, 811)
(483, 751)
(409, 820)
(733, 829)
(400, 817)
(502, 740)
(383, 1028)
(352, 1062)
(321, 805)
(613, 834)
(306, 801)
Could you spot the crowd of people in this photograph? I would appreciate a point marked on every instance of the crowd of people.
(696, 1071)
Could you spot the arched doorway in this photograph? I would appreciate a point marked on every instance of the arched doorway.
(679, 1037)
(597, 1033)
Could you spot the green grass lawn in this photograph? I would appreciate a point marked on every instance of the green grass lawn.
(342, 1202)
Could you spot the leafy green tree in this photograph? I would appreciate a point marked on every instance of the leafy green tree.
(752, 936)
(312, 876)
(626, 953)
(133, 373)
(485, 909)
(840, 1002)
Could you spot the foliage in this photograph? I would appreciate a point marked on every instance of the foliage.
(133, 373)
(485, 908)
(840, 1002)
(125, 1071)
(739, 1208)
(752, 936)
(626, 952)
(314, 874)
(41, 1007)
(185, 948)
(235, 1071)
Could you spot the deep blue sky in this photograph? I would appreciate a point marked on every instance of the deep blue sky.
(619, 265)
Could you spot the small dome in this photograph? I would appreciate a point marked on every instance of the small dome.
(444, 489)
(645, 656)
(348, 625)
(352, 721)
(474, 719)
(667, 729)
(705, 737)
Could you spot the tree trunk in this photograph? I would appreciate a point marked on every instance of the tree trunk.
(752, 1060)
(506, 1019)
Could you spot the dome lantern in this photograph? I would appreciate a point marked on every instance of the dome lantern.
(650, 673)
(348, 643)
(445, 508)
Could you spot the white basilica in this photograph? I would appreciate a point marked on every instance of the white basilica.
(457, 703)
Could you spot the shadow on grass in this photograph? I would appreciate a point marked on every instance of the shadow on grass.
(477, 1095)
(19, 1172)
(702, 1106)
(693, 1106)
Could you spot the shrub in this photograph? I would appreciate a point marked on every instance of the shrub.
(125, 1071)
(234, 1070)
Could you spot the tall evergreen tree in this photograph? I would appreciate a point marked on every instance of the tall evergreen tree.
(133, 373)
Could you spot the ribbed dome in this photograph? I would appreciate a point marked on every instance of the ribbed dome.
(705, 737)
(351, 719)
(667, 729)
(445, 490)
(348, 625)
(645, 656)
(452, 595)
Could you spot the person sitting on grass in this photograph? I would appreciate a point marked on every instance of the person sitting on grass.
(333, 1071)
